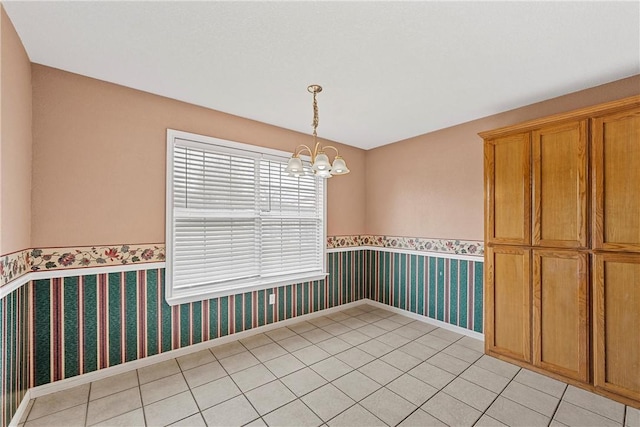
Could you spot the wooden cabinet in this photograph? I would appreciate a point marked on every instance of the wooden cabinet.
(616, 183)
(508, 300)
(508, 190)
(551, 160)
(616, 312)
(561, 312)
(562, 257)
(560, 185)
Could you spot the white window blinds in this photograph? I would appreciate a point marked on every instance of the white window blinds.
(235, 220)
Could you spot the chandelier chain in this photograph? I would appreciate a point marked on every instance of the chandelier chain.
(315, 115)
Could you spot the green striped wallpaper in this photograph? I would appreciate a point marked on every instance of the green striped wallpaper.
(14, 362)
(445, 289)
(62, 327)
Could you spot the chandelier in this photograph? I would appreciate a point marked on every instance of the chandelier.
(320, 165)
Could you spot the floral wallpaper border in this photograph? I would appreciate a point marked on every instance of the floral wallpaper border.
(95, 256)
(17, 264)
(336, 242)
(449, 246)
(14, 265)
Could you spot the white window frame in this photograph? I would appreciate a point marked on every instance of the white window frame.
(174, 297)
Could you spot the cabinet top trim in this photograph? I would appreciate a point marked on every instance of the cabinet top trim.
(582, 113)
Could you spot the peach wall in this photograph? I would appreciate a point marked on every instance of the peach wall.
(99, 161)
(431, 185)
(15, 140)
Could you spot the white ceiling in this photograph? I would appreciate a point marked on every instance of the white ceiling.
(390, 70)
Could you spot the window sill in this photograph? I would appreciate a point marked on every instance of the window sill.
(204, 294)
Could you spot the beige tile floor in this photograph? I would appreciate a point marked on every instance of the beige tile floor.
(362, 366)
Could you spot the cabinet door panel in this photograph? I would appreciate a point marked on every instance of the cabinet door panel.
(560, 312)
(508, 328)
(560, 185)
(507, 184)
(616, 312)
(616, 181)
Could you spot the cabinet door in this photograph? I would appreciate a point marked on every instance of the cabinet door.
(616, 313)
(507, 187)
(560, 185)
(560, 312)
(616, 181)
(508, 302)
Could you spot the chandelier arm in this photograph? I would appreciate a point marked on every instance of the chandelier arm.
(300, 149)
(317, 149)
(333, 148)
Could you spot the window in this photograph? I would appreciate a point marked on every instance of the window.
(236, 221)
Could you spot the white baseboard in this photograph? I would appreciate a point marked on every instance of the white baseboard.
(89, 377)
(22, 409)
(425, 319)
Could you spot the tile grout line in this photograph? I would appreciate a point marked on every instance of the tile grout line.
(276, 378)
(581, 406)
(139, 387)
(482, 413)
(190, 389)
(551, 418)
(559, 402)
(357, 402)
(144, 413)
(443, 387)
(54, 412)
(242, 393)
(333, 355)
(173, 395)
(534, 410)
(305, 367)
(458, 376)
(290, 373)
(329, 382)
(86, 411)
(498, 395)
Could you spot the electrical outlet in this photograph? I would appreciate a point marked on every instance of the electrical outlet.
(272, 299)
